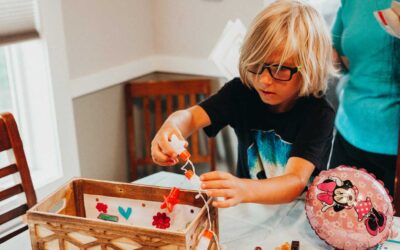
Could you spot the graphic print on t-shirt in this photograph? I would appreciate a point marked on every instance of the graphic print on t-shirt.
(267, 155)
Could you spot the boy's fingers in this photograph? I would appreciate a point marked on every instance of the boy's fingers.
(160, 158)
(166, 148)
(224, 204)
(164, 144)
(165, 163)
(215, 184)
(215, 175)
(227, 193)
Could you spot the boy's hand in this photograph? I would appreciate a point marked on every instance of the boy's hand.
(161, 151)
(221, 184)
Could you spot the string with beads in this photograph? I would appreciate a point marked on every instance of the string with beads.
(180, 148)
(200, 195)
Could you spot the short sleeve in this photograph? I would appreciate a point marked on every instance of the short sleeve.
(337, 30)
(222, 106)
(314, 140)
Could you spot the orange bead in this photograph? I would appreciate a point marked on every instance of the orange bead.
(189, 174)
(185, 155)
(208, 234)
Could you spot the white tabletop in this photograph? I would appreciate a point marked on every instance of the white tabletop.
(246, 226)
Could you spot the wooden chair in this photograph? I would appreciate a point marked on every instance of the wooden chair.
(10, 139)
(158, 100)
(397, 183)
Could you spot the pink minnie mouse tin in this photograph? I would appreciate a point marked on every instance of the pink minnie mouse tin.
(349, 208)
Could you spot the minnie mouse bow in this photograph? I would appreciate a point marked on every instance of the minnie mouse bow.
(328, 188)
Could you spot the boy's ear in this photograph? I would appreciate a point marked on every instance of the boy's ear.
(338, 207)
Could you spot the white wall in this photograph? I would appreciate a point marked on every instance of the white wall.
(109, 42)
(102, 34)
(191, 28)
(101, 134)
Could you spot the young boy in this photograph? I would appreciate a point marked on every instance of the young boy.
(277, 109)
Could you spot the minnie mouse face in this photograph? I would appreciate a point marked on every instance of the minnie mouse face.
(345, 196)
(337, 194)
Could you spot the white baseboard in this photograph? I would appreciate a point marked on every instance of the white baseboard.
(110, 77)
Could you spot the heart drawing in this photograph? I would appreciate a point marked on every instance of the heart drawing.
(125, 213)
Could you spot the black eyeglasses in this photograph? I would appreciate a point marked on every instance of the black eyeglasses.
(276, 71)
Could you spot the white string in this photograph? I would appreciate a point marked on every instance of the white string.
(205, 202)
(191, 164)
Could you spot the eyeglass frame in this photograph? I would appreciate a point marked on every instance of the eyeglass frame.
(293, 70)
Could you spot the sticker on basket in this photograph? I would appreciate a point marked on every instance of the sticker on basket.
(108, 217)
(161, 220)
(125, 213)
(101, 207)
(171, 200)
(132, 212)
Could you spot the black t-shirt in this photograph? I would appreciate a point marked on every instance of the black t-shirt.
(267, 139)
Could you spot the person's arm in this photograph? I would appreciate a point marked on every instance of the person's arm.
(276, 190)
(337, 31)
(342, 62)
(213, 113)
(309, 151)
(182, 123)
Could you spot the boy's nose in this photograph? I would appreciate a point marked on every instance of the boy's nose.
(266, 78)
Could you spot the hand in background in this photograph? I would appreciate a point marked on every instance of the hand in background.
(342, 61)
(161, 151)
(221, 184)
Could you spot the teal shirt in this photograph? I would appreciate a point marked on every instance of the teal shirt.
(368, 116)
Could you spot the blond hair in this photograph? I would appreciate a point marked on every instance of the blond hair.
(300, 30)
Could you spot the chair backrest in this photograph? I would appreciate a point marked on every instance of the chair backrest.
(10, 140)
(158, 99)
(397, 183)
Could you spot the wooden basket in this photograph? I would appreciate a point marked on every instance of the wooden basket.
(59, 222)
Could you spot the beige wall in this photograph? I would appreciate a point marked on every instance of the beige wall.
(190, 28)
(102, 34)
(100, 128)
